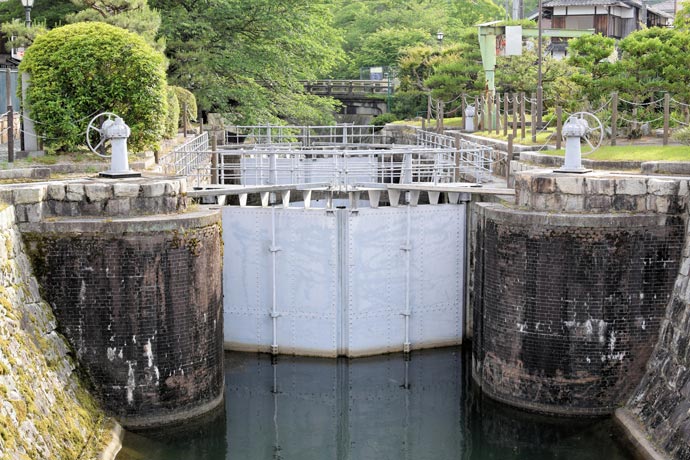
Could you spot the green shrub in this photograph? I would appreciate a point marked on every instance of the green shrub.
(83, 69)
(682, 136)
(409, 104)
(172, 121)
(186, 97)
(384, 118)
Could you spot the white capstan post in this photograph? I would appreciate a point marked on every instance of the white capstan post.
(117, 132)
(469, 118)
(573, 130)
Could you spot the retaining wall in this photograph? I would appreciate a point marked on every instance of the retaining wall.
(45, 409)
(570, 287)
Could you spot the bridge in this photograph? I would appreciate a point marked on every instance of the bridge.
(364, 98)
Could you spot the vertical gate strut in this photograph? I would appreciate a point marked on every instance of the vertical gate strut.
(274, 304)
(407, 248)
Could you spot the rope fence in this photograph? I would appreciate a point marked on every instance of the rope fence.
(515, 114)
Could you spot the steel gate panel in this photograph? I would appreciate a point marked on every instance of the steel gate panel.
(380, 243)
(346, 282)
(305, 249)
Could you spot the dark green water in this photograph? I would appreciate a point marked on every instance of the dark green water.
(382, 408)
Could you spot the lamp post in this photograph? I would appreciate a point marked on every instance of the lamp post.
(439, 38)
(28, 4)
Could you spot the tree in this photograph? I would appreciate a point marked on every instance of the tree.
(133, 15)
(596, 74)
(82, 69)
(360, 19)
(245, 57)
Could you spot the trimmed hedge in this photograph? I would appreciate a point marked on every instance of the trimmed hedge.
(80, 70)
(172, 121)
(185, 96)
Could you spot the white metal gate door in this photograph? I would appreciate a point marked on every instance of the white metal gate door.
(405, 278)
(280, 280)
(343, 282)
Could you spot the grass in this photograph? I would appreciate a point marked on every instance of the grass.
(542, 137)
(640, 152)
(636, 153)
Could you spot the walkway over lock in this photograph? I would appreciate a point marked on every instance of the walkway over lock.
(342, 156)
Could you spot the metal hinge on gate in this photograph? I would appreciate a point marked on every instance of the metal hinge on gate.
(406, 247)
(274, 249)
(275, 315)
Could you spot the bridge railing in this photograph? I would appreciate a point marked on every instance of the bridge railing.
(347, 87)
(191, 159)
(306, 136)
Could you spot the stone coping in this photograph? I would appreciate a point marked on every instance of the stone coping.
(502, 213)
(542, 159)
(600, 192)
(96, 197)
(125, 225)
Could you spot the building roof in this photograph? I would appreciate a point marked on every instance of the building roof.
(623, 3)
(628, 4)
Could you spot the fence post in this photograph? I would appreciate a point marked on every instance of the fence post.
(428, 109)
(10, 134)
(487, 117)
(515, 114)
(214, 159)
(476, 113)
(456, 176)
(505, 114)
(523, 122)
(509, 158)
(462, 111)
(184, 118)
(614, 117)
(497, 96)
(667, 116)
(535, 118)
(559, 126)
(10, 116)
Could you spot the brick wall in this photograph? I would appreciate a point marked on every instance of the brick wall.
(567, 307)
(141, 307)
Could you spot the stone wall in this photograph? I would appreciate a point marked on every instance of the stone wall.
(661, 403)
(141, 303)
(567, 308)
(92, 197)
(45, 410)
(570, 287)
(134, 279)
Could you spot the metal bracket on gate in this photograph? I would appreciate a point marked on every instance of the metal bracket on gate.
(274, 249)
(394, 197)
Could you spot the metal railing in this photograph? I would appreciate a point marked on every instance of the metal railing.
(343, 156)
(347, 87)
(306, 136)
(474, 160)
(191, 159)
(342, 169)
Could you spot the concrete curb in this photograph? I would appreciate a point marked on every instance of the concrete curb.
(115, 444)
(637, 435)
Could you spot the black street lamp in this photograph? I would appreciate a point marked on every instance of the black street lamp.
(28, 4)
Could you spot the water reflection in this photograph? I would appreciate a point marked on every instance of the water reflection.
(376, 408)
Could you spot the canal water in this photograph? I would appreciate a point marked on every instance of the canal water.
(379, 408)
